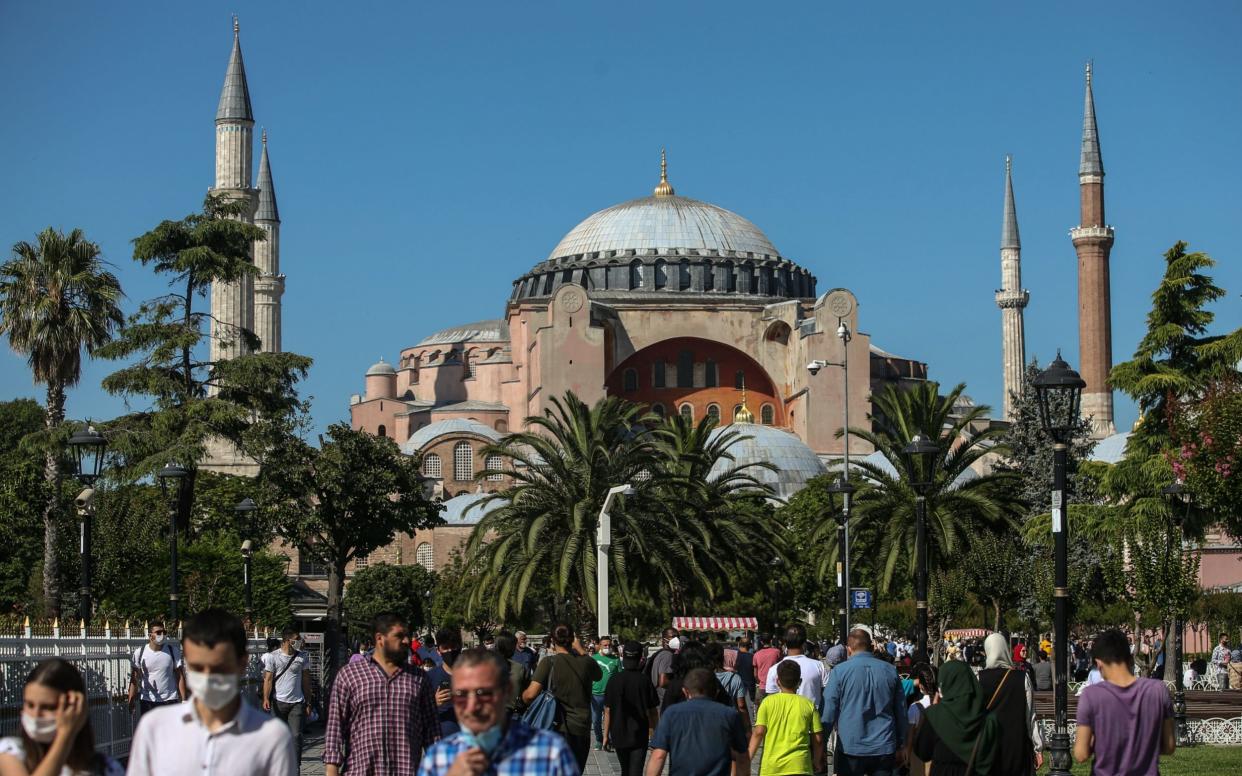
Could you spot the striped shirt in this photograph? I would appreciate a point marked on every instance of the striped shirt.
(379, 724)
(523, 752)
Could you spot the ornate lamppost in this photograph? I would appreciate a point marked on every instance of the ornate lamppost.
(243, 510)
(922, 454)
(88, 447)
(1179, 498)
(842, 487)
(172, 479)
(1058, 390)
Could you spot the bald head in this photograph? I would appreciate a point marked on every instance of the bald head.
(858, 641)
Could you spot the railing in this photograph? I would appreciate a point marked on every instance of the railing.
(1212, 731)
(104, 657)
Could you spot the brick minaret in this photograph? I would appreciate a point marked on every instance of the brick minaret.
(269, 286)
(1093, 240)
(1011, 299)
(232, 303)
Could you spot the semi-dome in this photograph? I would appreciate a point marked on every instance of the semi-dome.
(494, 330)
(796, 463)
(431, 432)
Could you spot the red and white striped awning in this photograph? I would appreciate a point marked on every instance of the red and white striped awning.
(967, 633)
(716, 623)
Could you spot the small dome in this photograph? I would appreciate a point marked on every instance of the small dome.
(1110, 449)
(433, 431)
(381, 368)
(467, 509)
(796, 463)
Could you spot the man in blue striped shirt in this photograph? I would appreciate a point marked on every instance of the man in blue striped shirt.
(864, 701)
(489, 742)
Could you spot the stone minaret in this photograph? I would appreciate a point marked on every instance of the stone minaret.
(1011, 298)
(269, 286)
(232, 304)
(1093, 240)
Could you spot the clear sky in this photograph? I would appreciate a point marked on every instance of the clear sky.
(427, 154)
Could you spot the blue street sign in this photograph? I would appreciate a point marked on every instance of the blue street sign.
(860, 598)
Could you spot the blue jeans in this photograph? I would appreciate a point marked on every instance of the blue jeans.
(597, 717)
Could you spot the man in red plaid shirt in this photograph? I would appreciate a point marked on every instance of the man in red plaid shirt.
(381, 716)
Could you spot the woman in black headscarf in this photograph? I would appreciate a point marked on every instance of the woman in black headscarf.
(957, 735)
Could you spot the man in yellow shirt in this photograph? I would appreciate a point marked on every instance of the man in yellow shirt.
(788, 729)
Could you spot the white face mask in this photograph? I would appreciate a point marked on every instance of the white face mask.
(605, 650)
(40, 729)
(674, 643)
(215, 690)
(159, 639)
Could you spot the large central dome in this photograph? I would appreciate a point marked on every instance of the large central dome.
(665, 223)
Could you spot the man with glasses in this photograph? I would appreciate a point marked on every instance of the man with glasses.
(490, 741)
(381, 715)
(156, 677)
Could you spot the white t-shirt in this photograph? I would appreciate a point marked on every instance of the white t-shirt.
(813, 678)
(13, 747)
(157, 672)
(288, 687)
(173, 741)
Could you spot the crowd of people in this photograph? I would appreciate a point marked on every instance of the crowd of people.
(698, 703)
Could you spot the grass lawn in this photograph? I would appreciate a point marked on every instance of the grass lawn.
(1191, 761)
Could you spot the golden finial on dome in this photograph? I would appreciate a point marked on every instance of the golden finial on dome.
(664, 188)
(743, 415)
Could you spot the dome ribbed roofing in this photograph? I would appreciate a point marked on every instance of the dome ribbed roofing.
(495, 330)
(433, 431)
(664, 222)
(796, 463)
(381, 368)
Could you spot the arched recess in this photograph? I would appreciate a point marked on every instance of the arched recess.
(778, 332)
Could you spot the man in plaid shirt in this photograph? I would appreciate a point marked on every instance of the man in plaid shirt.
(490, 742)
(381, 716)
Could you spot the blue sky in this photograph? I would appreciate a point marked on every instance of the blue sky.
(425, 155)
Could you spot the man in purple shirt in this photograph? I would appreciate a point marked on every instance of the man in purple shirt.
(381, 716)
(1125, 721)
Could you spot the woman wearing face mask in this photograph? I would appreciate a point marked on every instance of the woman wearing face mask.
(56, 737)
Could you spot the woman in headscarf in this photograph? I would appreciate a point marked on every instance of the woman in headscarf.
(957, 735)
(1010, 696)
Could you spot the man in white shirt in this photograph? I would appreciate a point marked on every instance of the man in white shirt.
(813, 673)
(287, 684)
(156, 677)
(215, 733)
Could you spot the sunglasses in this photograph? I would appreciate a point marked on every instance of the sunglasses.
(483, 694)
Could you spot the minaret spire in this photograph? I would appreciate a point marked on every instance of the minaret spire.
(269, 285)
(235, 96)
(1011, 299)
(1093, 240)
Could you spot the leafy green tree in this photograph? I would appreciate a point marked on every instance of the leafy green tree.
(56, 300)
(187, 400)
(948, 597)
(345, 499)
(1209, 458)
(451, 605)
(384, 587)
(959, 502)
(999, 570)
(21, 502)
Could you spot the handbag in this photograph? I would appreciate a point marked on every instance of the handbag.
(545, 711)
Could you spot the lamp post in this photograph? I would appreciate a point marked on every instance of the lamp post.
(843, 487)
(603, 541)
(172, 479)
(1058, 390)
(243, 510)
(88, 447)
(922, 454)
(1177, 496)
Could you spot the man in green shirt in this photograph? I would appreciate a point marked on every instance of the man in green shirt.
(609, 664)
(788, 728)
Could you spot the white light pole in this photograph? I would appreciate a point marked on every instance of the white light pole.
(603, 541)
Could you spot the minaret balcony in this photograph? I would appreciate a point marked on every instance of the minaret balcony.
(1092, 234)
(1008, 300)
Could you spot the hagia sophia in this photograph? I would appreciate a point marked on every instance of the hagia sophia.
(666, 300)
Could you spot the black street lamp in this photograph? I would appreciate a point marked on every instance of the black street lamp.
(1179, 498)
(243, 510)
(172, 479)
(88, 447)
(843, 487)
(1058, 390)
(922, 454)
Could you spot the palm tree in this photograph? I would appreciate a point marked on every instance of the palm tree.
(959, 501)
(56, 298)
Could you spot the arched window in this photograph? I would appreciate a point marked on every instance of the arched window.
(661, 273)
(381, 431)
(636, 275)
(502, 426)
(495, 463)
(713, 412)
(711, 378)
(425, 557)
(657, 374)
(463, 462)
(467, 357)
(630, 380)
(739, 380)
(658, 409)
(683, 275)
(360, 562)
(431, 466)
(767, 414)
(686, 411)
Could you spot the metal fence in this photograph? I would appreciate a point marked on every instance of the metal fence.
(104, 656)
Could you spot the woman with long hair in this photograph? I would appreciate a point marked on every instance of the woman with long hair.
(56, 737)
